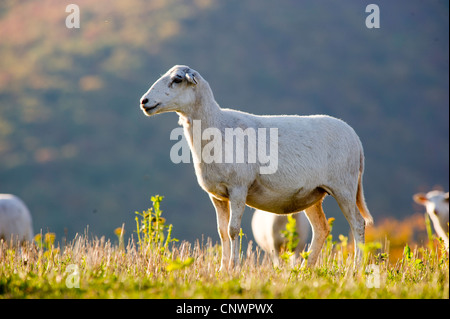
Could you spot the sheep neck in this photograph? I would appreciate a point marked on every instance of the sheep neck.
(207, 111)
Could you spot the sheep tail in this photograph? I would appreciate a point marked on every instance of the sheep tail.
(360, 200)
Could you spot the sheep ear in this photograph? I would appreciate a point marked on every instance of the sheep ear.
(420, 198)
(190, 77)
(446, 196)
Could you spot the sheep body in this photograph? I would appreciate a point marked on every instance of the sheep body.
(267, 230)
(15, 219)
(317, 155)
(436, 204)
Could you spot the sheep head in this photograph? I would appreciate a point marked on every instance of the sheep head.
(172, 92)
(436, 202)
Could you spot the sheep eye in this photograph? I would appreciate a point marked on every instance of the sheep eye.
(177, 80)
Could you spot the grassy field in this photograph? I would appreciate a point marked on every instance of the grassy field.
(152, 264)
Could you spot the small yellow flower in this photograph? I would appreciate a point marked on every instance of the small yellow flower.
(49, 238)
(38, 238)
(118, 231)
(331, 221)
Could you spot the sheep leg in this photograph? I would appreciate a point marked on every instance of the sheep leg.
(356, 221)
(320, 231)
(237, 206)
(276, 249)
(223, 217)
(440, 231)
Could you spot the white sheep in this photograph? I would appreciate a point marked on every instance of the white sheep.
(317, 155)
(436, 204)
(267, 230)
(15, 219)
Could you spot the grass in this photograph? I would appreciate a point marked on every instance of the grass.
(154, 265)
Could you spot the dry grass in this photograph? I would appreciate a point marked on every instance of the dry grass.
(153, 265)
(186, 270)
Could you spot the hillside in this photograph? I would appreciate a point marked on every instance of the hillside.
(75, 146)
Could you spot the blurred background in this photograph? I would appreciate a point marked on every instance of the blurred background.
(75, 146)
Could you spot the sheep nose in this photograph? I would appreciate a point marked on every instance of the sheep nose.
(144, 101)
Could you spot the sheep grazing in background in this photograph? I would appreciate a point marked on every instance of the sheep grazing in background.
(267, 229)
(15, 219)
(316, 155)
(436, 204)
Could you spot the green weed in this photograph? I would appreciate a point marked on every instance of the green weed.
(151, 228)
(154, 265)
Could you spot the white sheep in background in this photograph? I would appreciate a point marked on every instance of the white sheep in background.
(267, 230)
(317, 155)
(436, 204)
(15, 219)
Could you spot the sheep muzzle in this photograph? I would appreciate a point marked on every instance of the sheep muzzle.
(147, 109)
